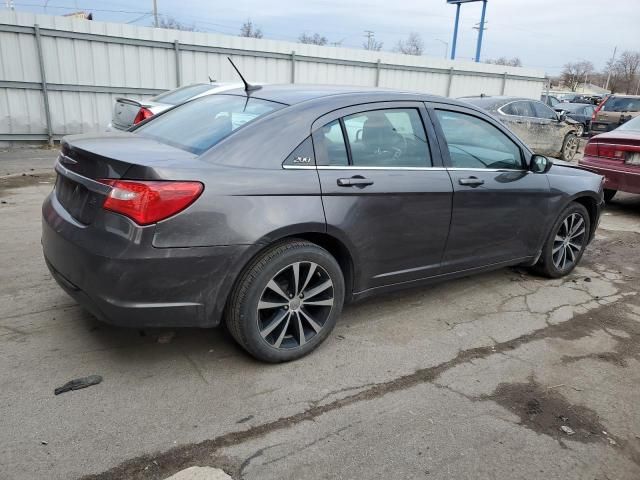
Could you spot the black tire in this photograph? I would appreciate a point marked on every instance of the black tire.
(609, 194)
(243, 314)
(570, 147)
(547, 264)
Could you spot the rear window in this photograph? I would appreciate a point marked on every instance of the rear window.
(198, 125)
(182, 94)
(621, 104)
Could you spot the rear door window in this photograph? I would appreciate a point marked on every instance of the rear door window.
(376, 138)
(387, 138)
(520, 109)
(198, 125)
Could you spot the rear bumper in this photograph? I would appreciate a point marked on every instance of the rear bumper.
(130, 283)
(618, 176)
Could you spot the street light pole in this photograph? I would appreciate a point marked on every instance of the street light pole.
(446, 47)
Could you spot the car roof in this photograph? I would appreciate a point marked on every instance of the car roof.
(489, 102)
(292, 94)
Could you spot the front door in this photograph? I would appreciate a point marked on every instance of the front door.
(384, 190)
(499, 206)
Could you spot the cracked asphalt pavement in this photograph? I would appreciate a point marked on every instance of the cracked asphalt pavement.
(469, 379)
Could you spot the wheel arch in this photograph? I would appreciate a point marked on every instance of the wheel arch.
(336, 247)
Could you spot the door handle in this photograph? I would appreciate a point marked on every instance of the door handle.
(355, 181)
(471, 181)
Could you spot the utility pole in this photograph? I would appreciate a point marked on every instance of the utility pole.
(369, 34)
(613, 59)
(155, 13)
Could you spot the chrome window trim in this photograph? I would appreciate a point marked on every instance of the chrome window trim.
(355, 167)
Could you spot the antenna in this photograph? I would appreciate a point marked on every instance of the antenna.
(212, 80)
(247, 86)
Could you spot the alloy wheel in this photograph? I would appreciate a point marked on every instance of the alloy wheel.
(569, 241)
(580, 131)
(570, 148)
(295, 305)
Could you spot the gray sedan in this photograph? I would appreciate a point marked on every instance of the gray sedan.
(545, 131)
(267, 209)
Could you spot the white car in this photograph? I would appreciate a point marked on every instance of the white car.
(128, 111)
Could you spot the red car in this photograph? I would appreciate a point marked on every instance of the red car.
(616, 156)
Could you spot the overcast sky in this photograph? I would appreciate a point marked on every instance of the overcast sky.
(544, 34)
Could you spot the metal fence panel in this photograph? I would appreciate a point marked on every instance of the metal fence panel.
(87, 64)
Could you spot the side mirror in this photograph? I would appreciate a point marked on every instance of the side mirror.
(562, 115)
(540, 164)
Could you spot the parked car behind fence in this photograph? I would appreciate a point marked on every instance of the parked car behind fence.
(579, 112)
(614, 111)
(128, 111)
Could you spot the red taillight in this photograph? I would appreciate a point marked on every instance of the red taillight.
(611, 151)
(591, 149)
(143, 114)
(147, 202)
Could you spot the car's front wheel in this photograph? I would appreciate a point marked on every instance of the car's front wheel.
(579, 130)
(286, 302)
(570, 147)
(566, 242)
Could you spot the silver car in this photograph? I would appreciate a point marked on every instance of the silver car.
(128, 111)
(545, 131)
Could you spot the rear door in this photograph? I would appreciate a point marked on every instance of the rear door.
(384, 190)
(499, 206)
(520, 117)
(549, 129)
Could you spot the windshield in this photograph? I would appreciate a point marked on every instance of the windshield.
(633, 125)
(198, 125)
(182, 94)
(621, 104)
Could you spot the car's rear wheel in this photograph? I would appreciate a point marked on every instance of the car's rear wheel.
(609, 194)
(286, 302)
(570, 147)
(566, 242)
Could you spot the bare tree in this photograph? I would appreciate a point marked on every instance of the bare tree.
(628, 68)
(575, 73)
(171, 23)
(510, 62)
(250, 30)
(371, 43)
(315, 39)
(413, 45)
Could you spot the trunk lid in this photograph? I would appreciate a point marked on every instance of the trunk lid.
(86, 158)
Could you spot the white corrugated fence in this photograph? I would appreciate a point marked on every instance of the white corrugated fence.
(60, 75)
